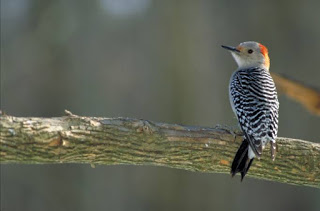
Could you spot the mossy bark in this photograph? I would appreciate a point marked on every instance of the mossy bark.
(114, 141)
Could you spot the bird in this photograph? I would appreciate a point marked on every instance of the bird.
(254, 101)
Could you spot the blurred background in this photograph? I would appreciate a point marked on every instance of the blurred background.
(155, 60)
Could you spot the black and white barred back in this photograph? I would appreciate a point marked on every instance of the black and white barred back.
(254, 100)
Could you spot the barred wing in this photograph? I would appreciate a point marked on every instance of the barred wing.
(254, 100)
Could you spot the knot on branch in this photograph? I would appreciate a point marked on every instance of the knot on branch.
(144, 126)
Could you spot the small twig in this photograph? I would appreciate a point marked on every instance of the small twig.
(308, 96)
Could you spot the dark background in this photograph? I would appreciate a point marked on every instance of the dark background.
(155, 60)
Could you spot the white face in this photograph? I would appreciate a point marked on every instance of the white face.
(249, 55)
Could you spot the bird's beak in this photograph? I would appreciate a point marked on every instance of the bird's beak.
(233, 49)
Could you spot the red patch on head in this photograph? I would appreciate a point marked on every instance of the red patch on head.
(264, 51)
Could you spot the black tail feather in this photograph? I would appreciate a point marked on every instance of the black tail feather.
(241, 162)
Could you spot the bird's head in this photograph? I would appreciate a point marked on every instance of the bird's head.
(250, 54)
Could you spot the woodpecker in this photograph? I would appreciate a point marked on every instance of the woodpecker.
(254, 100)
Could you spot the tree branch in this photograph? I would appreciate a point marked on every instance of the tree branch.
(113, 141)
(306, 95)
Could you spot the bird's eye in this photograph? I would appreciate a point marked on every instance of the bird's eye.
(250, 51)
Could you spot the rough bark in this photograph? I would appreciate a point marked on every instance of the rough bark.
(114, 141)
